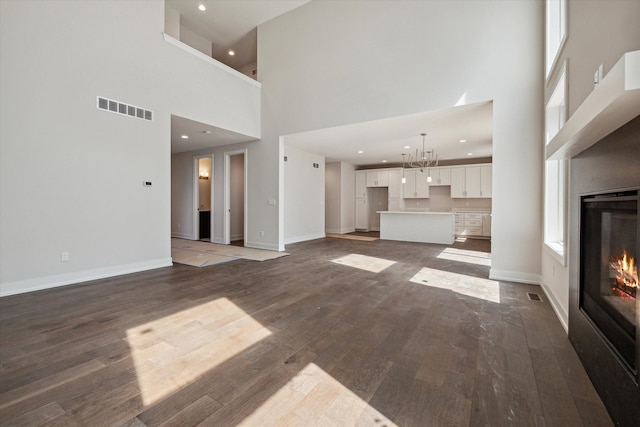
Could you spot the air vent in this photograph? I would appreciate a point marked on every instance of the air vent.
(534, 297)
(124, 109)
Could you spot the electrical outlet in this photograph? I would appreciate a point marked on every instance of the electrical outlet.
(261, 233)
(64, 256)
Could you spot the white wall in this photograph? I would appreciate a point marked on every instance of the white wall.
(340, 198)
(172, 22)
(334, 63)
(333, 198)
(194, 40)
(347, 194)
(597, 33)
(304, 204)
(87, 196)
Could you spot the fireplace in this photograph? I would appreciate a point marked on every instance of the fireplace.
(604, 252)
(608, 270)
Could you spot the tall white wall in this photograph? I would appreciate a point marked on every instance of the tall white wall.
(195, 40)
(304, 204)
(334, 63)
(71, 175)
(333, 198)
(597, 33)
(347, 195)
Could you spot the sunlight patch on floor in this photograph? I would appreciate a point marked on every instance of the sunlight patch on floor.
(314, 397)
(463, 255)
(364, 262)
(173, 351)
(476, 287)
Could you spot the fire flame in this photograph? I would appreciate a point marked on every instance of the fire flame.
(626, 269)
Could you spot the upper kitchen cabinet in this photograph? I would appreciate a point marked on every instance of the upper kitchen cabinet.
(468, 182)
(361, 184)
(395, 183)
(378, 178)
(486, 182)
(416, 185)
(440, 176)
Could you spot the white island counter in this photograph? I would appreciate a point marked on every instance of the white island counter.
(417, 226)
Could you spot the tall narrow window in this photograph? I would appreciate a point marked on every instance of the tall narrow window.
(556, 29)
(555, 171)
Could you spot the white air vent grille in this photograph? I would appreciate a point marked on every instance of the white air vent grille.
(124, 109)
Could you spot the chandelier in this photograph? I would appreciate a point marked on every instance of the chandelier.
(424, 159)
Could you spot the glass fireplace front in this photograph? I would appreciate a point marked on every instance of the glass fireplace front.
(609, 271)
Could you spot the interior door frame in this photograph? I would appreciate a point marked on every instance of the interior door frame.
(227, 193)
(196, 196)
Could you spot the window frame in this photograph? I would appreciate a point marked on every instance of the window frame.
(562, 34)
(555, 173)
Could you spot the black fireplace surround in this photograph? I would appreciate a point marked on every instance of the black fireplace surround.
(604, 248)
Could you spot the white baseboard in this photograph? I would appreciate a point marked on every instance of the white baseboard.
(219, 240)
(561, 314)
(182, 236)
(261, 245)
(304, 238)
(237, 237)
(339, 230)
(40, 283)
(514, 276)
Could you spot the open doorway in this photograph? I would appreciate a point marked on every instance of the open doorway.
(235, 197)
(203, 197)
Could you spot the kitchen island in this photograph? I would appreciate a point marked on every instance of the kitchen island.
(418, 226)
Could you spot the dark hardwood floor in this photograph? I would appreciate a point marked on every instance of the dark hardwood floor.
(341, 332)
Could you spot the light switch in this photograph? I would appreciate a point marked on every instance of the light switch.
(271, 202)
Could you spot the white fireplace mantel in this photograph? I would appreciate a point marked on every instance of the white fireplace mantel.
(614, 102)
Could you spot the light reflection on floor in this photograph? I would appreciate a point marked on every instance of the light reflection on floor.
(314, 397)
(364, 262)
(476, 287)
(467, 256)
(173, 351)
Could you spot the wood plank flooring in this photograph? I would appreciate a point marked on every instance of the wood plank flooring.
(296, 341)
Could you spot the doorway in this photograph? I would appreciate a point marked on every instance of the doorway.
(203, 197)
(235, 197)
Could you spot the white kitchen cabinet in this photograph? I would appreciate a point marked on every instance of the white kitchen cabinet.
(473, 224)
(416, 185)
(486, 225)
(440, 176)
(361, 184)
(378, 178)
(396, 202)
(486, 181)
(458, 183)
(362, 214)
(467, 182)
(395, 183)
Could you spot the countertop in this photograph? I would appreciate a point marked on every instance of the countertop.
(416, 212)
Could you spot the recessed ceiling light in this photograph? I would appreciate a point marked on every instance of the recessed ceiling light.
(231, 53)
(206, 131)
(384, 161)
(407, 146)
(202, 7)
(463, 140)
(185, 137)
(469, 154)
(360, 151)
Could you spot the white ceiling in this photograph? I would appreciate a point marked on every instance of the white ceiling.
(198, 136)
(231, 24)
(385, 139)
